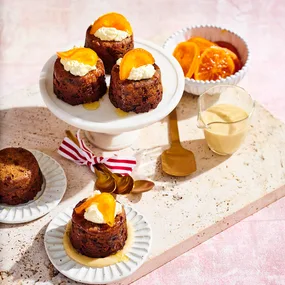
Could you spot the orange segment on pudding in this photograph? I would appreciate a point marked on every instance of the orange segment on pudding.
(83, 55)
(106, 205)
(112, 20)
(134, 58)
(202, 43)
(187, 54)
(215, 63)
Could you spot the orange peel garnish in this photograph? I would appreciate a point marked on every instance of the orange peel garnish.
(202, 43)
(83, 55)
(112, 20)
(187, 54)
(215, 63)
(134, 58)
(106, 205)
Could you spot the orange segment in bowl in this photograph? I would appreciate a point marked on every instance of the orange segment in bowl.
(228, 46)
(235, 59)
(201, 43)
(83, 55)
(134, 58)
(215, 63)
(187, 54)
(112, 20)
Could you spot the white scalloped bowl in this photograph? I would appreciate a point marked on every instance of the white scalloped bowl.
(212, 33)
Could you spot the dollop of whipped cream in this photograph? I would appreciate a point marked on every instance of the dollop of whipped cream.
(119, 60)
(110, 34)
(92, 213)
(75, 67)
(138, 73)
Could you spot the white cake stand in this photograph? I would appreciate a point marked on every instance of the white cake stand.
(103, 127)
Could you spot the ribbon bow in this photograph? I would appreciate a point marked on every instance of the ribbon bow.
(82, 155)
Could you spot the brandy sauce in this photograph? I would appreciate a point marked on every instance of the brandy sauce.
(97, 262)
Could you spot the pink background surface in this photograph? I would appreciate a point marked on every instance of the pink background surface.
(251, 252)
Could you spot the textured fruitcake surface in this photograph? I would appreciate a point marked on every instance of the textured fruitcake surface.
(137, 96)
(76, 90)
(97, 240)
(20, 176)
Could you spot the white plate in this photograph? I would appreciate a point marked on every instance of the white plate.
(53, 189)
(104, 119)
(137, 253)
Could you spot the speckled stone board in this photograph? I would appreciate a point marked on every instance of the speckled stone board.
(183, 212)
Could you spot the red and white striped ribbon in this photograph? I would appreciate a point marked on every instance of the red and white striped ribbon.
(83, 156)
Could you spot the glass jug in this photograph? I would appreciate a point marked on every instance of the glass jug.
(224, 114)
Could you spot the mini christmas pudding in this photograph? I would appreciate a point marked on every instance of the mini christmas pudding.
(111, 36)
(20, 176)
(136, 82)
(99, 226)
(79, 76)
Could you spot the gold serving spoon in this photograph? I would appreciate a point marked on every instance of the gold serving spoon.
(116, 183)
(72, 137)
(141, 186)
(124, 184)
(176, 160)
(104, 182)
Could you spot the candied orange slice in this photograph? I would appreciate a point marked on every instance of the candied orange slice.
(228, 46)
(134, 58)
(87, 203)
(66, 54)
(187, 54)
(215, 63)
(106, 205)
(233, 53)
(235, 59)
(112, 20)
(201, 43)
(83, 55)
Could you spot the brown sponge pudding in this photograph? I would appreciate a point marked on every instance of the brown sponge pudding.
(137, 96)
(108, 51)
(76, 90)
(97, 240)
(20, 176)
